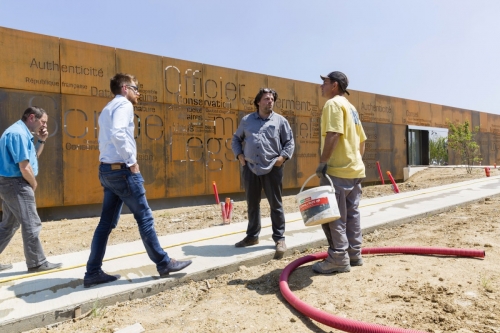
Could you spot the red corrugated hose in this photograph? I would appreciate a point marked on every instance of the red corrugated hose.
(354, 326)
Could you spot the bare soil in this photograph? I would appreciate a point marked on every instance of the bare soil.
(426, 293)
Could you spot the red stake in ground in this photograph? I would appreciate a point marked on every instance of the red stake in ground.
(380, 173)
(395, 187)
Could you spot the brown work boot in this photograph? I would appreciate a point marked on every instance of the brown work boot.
(357, 262)
(280, 249)
(247, 241)
(326, 267)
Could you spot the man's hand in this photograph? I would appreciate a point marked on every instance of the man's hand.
(28, 174)
(241, 158)
(321, 169)
(42, 134)
(280, 161)
(134, 168)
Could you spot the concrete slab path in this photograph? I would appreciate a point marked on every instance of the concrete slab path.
(28, 301)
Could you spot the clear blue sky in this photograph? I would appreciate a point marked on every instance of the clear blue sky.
(439, 51)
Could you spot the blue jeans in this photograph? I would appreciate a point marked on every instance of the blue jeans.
(122, 186)
(19, 209)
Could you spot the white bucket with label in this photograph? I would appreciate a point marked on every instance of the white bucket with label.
(318, 205)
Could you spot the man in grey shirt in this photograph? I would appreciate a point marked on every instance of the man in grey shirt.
(262, 143)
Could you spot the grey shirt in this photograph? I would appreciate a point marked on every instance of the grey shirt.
(262, 141)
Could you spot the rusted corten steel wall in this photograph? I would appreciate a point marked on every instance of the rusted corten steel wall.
(186, 118)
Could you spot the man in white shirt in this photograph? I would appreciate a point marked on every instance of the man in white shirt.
(123, 183)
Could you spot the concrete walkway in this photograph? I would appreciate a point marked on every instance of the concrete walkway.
(36, 300)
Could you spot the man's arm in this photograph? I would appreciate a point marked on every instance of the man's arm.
(362, 148)
(331, 141)
(288, 143)
(119, 134)
(39, 148)
(236, 144)
(42, 136)
(28, 173)
(287, 140)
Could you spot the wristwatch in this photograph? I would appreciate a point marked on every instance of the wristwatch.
(40, 141)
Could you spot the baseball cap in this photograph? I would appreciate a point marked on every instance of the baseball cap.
(340, 78)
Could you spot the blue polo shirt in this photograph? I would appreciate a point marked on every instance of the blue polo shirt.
(16, 145)
(263, 141)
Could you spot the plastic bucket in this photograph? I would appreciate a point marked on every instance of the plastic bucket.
(318, 205)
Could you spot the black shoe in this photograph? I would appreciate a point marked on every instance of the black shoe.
(247, 241)
(99, 278)
(46, 266)
(4, 267)
(175, 266)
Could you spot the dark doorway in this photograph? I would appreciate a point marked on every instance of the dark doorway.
(419, 140)
(418, 147)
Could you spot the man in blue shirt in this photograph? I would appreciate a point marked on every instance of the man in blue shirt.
(123, 183)
(262, 143)
(18, 169)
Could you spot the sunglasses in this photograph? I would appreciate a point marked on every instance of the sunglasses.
(136, 90)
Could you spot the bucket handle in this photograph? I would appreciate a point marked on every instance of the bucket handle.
(308, 179)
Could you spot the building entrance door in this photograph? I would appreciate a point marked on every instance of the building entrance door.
(418, 146)
(419, 141)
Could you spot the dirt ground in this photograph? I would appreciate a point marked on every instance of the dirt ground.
(426, 293)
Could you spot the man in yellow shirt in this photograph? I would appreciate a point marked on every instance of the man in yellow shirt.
(342, 147)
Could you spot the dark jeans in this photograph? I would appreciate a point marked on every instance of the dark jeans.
(123, 186)
(272, 183)
(19, 209)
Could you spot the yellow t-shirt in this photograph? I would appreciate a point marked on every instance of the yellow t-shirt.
(340, 116)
